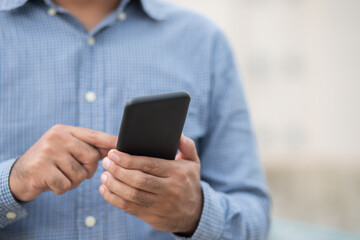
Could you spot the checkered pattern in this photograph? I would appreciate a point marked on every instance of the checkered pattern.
(46, 70)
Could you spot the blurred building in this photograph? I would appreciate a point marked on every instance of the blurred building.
(300, 65)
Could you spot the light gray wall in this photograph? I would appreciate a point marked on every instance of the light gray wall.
(300, 62)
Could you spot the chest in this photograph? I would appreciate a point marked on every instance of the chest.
(59, 78)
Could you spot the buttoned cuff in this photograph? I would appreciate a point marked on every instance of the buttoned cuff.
(10, 209)
(212, 220)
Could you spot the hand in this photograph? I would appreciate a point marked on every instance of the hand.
(165, 194)
(59, 161)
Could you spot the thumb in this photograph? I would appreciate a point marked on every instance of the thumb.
(187, 149)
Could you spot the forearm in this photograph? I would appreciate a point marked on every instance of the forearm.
(10, 209)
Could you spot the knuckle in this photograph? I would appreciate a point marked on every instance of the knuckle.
(131, 195)
(76, 149)
(91, 153)
(115, 169)
(194, 173)
(175, 192)
(140, 198)
(53, 133)
(147, 202)
(180, 174)
(109, 183)
(95, 154)
(191, 142)
(175, 189)
(141, 181)
(47, 148)
(149, 166)
(107, 196)
(58, 127)
(150, 182)
(144, 181)
(61, 185)
(75, 167)
(81, 174)
(90, 170)
(59, 192)
(125, 161)
(93, 134)
(74, 185)
(123, 204)
(66, 186)
(197, 168)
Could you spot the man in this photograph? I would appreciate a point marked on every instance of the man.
(66, 69)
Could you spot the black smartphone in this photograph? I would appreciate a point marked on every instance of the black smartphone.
(152, 125)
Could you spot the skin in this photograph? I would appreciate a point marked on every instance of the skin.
(89, 12)
(165, 194)
(59, 161)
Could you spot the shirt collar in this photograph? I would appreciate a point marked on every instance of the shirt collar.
(155, 9)
(6, 5)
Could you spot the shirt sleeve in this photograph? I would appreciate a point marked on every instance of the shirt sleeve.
(10, 209)
(236, 201)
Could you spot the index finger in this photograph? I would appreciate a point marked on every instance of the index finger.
(154, 166)
(96, 138)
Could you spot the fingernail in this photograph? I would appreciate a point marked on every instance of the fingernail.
(103, 178)
(106, 163)
(114, 157)
(102, 190)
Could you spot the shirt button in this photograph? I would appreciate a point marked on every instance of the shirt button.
(90, 221)
(122, 16)
(90, 96)
(11, 215)
(51, 11)
(91, 41)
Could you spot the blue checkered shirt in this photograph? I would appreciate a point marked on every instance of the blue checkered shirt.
(53, 71)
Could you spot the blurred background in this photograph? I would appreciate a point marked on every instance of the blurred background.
(300, 66)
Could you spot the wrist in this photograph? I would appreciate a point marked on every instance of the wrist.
(7, 201)
(195, 219)
(14, 188)
(16, 185)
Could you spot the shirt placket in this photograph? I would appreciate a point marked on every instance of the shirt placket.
(90, 217)
(91, 115)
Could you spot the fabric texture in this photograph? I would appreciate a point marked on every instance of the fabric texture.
(53, 71)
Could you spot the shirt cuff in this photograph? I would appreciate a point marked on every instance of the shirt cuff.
(10, 209)
(212, 220)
